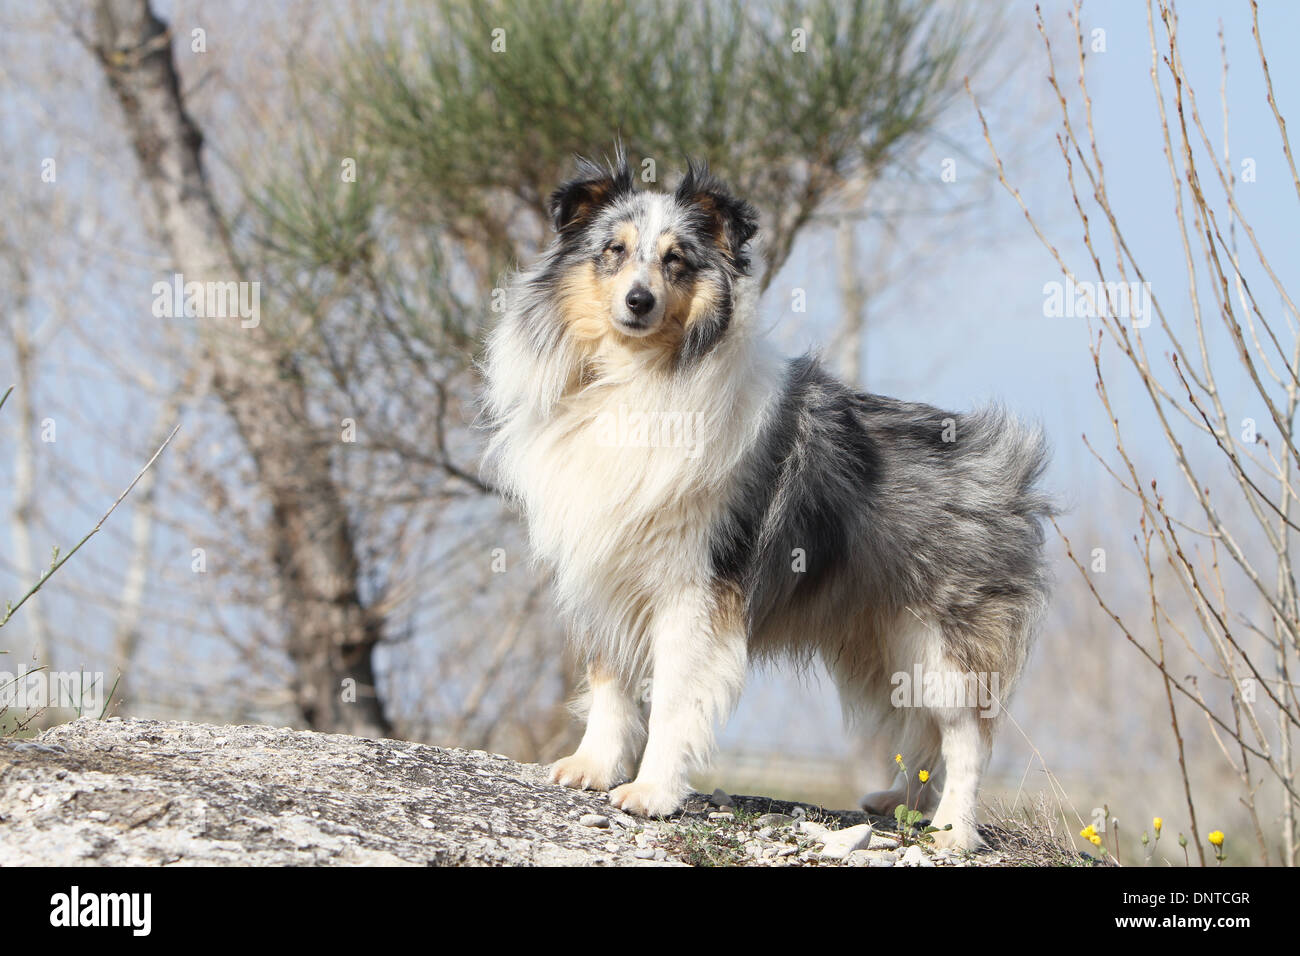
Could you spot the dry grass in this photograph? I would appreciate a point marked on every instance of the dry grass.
(1032, 835)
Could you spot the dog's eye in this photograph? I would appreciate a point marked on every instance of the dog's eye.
(617, 248)
(671, 258)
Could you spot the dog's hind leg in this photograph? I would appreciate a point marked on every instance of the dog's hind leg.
(911, 734)
(614, 731)
(967, 744)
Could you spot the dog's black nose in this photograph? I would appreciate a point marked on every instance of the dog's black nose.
(640, 300)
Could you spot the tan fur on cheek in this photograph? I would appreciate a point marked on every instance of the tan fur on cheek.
(584, 304)
(703, 301)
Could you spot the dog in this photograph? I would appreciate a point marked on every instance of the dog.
(800, 519)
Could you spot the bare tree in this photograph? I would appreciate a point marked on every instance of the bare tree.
(332, 633)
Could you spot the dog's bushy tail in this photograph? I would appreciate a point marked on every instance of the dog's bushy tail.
(1006, 459)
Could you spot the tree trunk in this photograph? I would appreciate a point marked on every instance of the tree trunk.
(331, 633)
(853, 303)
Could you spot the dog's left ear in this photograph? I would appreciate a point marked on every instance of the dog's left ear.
(573, 204)
(731, 222)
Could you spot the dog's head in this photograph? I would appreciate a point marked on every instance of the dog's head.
(646, 269)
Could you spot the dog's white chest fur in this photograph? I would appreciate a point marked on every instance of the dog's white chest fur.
(622, 480)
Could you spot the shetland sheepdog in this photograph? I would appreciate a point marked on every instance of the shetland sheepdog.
(704, 504)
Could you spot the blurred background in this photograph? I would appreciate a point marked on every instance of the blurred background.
(315, 546)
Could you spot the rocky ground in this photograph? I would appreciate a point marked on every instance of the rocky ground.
(123, 792)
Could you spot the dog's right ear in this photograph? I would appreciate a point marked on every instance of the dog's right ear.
(574, 203)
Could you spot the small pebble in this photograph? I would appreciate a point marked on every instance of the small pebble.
(594, 820)
(915, 856)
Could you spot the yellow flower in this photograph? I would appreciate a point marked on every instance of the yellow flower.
(1157, 823)
(1088, 832)
(1096, 840)
(1216, 838)
(898, 758)
(924, 775)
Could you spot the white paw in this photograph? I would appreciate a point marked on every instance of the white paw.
(962, 836)
(645, 799)
(582, 772)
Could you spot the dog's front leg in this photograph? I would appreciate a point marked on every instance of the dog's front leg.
(614, 731)
(699, 667)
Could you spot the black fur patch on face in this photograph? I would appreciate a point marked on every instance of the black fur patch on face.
(574, 204)
(725, 220)
(679, 262)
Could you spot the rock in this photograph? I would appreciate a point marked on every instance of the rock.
(814, 831)
(840, 843)
(915, 856)
(144, 793)
(720, 798)
(132, 792)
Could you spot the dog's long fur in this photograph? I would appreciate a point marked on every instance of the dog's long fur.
(805, 520)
